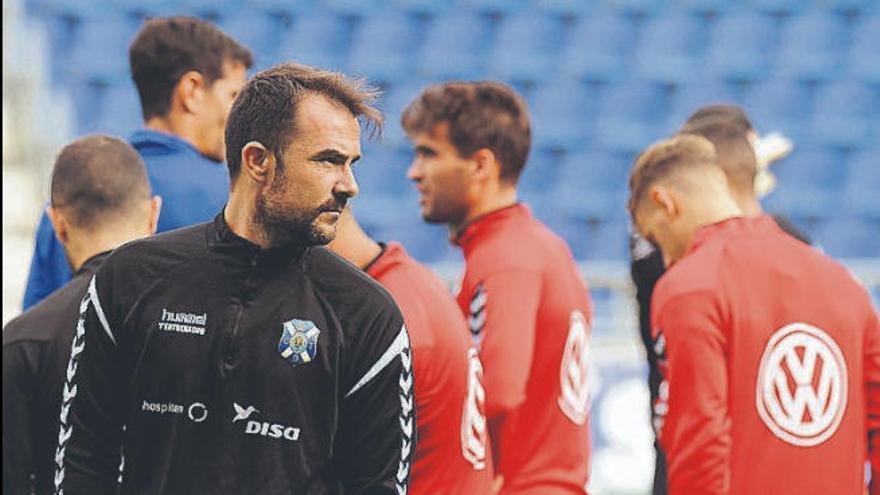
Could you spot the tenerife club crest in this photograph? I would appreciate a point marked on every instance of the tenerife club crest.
(299, 341)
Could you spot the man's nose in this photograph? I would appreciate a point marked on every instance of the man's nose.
(414, 172)
(347, 184)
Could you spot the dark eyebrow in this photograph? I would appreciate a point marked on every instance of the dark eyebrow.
(332, 156)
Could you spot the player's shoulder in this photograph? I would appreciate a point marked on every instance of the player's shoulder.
(344, 284)
(698, 272)
(51, 318)
(142, 261)
(527, 245)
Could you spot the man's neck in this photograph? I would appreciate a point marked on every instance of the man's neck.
(503, 197)
(353, 244)
(747, 202)
(239, 216)
(173, 126)
(97, 242)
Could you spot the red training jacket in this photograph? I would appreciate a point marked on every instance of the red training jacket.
(530, 315)
(452, 437)
(771, 359)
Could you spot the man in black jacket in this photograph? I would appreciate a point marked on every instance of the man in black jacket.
(100, 199)
(239, 356)
(734, 138)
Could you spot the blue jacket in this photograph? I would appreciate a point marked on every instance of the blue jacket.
(193, 189)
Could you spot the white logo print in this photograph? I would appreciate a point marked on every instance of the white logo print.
(242, 413)
(802, 385)
(574, 396)
(473, 418)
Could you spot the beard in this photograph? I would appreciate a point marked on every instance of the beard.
(281, 224)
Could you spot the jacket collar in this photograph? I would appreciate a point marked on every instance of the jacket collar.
(222, 239)
(149, 138)
(485, 223)
(92, 264)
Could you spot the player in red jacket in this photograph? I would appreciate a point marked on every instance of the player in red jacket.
(452, 438)
(770, 351)
(528, 308)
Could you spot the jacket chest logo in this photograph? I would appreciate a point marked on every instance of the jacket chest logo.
(299, 341)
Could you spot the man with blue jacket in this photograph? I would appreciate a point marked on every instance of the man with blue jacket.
(187, 73)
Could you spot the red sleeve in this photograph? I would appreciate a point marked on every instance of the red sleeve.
(696, 430)
(872, 388)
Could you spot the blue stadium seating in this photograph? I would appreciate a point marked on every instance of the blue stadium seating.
(688, 98)
(846, 115)
(708, 7)
(382, 48)
(811, 47)
(850, 6)
(810, 181)
(630, 115)
(257, 31)
(120, 112)
(396, 98)
(567, 7)
(316, 38)
(850, 237)
(592, 184)
(561, 114)
(741, 45)
(527, 47)
(494, 6)
(100, 51)
(670, 50)
(638, 7)
(455, 47)
(600, 47)
(864, 56)
(780, 105)
(382, 170)
(784, 7)
(862, 190)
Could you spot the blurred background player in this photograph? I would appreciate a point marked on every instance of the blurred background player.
(734, 137)
(100, 199)
(528, 309)
(187, 73)
(449, 393)
(770, 368)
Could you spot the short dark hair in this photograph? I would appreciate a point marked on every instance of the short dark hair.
(265, 109)
(663, 159)
(98, 178)
(166, 48)
(483, 114)
(719, 113)
(736, 156)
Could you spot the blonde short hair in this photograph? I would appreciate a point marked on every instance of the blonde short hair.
(663, 158)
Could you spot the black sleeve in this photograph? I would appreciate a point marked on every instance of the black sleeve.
(378, 426)
(19, 365)
(90, 437)
(646, 269)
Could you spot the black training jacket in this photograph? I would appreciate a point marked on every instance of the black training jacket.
(36, 349)
(206, 365)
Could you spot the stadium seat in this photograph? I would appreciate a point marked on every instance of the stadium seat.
(284, 7)
(780, 105)
(600, 48)
(423, 7)
(740, 47)
(850, 237)
(256, 31)
(631, 115)
(455, 47)
(503, 7)
(396, 98)
(592, 184)
(779, 7)
(638, 7)
(573, 8)
(809, 183)
(356, 7)
(811, 47)
(707, 7)
(862, 191)
(383, 46)
(670, 49)
(526, 47)
(120, 111)
(864, 55)
(688, 98)
(316, 38)
(539, 175)
(382, 170)
(847, 114)
(100, 49)
(562, 114)
(850, 6)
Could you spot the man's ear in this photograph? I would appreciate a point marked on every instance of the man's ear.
(258, 163)
(663, 198)
(155, 210)
(188, 91)
(59, 224)
(485, 164)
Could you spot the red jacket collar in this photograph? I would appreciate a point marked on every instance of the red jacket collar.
(730, 227)
(392, 255)
(482, 224)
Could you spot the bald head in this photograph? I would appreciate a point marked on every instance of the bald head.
(98, 181)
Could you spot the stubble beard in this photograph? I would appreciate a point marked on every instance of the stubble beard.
(279, 225)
